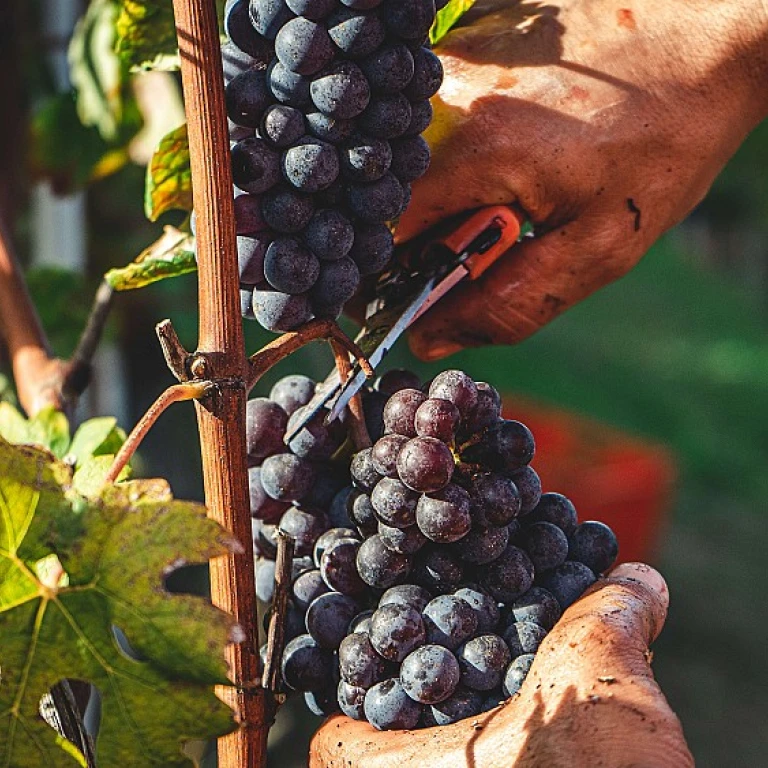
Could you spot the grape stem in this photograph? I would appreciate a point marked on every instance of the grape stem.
(288, 343)
(358, 428)
(276, 632)
(174, 394)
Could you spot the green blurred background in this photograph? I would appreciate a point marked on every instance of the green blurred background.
(675, 353)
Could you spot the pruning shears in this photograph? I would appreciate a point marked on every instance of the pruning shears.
(425, 269)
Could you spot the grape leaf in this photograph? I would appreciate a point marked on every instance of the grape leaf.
(146, 34)
(169, 178)
(171, 255)
(447, 18)
(49, 428)
(115, 551)
(96, 437)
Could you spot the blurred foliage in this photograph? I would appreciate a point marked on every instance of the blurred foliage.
(169, 178)
(447, 18)
(146, 33)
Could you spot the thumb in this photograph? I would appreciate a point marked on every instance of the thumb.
(534, 282)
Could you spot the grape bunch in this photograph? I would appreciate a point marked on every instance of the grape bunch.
(326, 101)
(436, 572)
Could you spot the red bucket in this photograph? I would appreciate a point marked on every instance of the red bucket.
(609, 475)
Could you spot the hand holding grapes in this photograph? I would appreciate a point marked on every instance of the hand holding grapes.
(590, 699)
(605, 122)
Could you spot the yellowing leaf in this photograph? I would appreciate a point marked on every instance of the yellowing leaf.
(169, 178)
(145, 32)
(447, 18)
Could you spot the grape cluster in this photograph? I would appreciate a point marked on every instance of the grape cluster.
(422, 594)
(326, 101)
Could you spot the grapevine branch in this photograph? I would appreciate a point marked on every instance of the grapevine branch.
(358, 428)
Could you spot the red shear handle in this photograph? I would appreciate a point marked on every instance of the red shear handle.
(498, 217)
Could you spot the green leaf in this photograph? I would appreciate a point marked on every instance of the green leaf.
(146, 34)
(96, 437)
(115, 551)
(91, 473)
(171, 255)
(102, 82)
(169, 178)
(13, 425)
(447, 18)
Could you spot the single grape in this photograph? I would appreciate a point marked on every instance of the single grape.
(361, 622)
(338, 567)
(523, 637)
(351, 698)
(364, 158)
(483, 661)
(400, 412)
(372, 248)
(355, 33)
(328, 538)
(485, 607)
(456, 387)
(396, 630)
(379, 200)
(362, 513)
(337, 283)
(387, 706)
(444, 516)
(282, 125)
(385, 452)
(462, 704)
(406, 541)
(436, 569)
(329, 234)
(594, 544)
(387, 117)
(286, 477)
(395, 504)
(248, 218)
(328, 617)
(247, 96)
(303, 46)
(364, 474)
(437, 418)
(509, 575)
(331, 129)
(236, 61)
(379, 566)
(304, 527)
(255, 166)
(487, 410)
(529, 487)
(265, 424)
(421, 117)
(265, 579)
(568, 582)
(286, 210)
(425, 464)
(429, 674)
(516, 672)
(506, 445)
(238, 28)
(361, 5)
(269, 16)
(449, 621)
(305, 665)
(359, 664)
(482, 544)
(311, 165)
(264, 539)
(289, 87)
(311, 9)
(306, 587)
(556, 509)
(427, 75)
(338, 512)
(536, 605)
(340, 90)
(289, 266)
(263, 506)
(396, 379)
(315, 440)
(546, 545)
(389, 69)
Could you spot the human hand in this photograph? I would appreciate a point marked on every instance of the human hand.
(605, 122)
(590, 699)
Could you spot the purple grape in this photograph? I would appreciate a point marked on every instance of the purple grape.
(406, 541)
(329, 234)
(265, 579)
(263, 506)
(314, 440)
(395, 504)
(396, 630)
(516, 672)
(523, 637)
(425, 464)
(372, 248)
(286, 477)
(362, 513)
(265, 423)
(400, 412)
(329, 537)
(437, 418)
(379, 566)
(436, 569)
(338, 512)
(268, 16)
(236, 61)
(529, 487)
(255, 166)
(355, 33)
(361, 622)
(323, 702)
(385, 452)
(386, 117)
(251, 250)
(509, 575)
(311, 9)
(427, 74)
(359, 663)
(429, 674)
(364, 158)
(291, 392)
(536, 605)
(505, 445)
(264, 539)
(306, 587)
(311, 165)
(568, 582)
(328, 617)
(248, 218)
(594, 544)
(410, 595)
(373, 406)
(421, 117)
(340, 90)
(305, 665)
(376, 201)
(483, 661)
(304, 527)
(247, 96)
(482, 544)
(364, 475)
(238, 28)
(456, 387)
(387, 706)
(444, 516)
(286, 210)
(449, 621)
(462, 704)
(282, 125)
(331, 129)
(546, 545)
(246, 303)
(303, 46)
(397, 379)
(351, 698)
(289, 87)
(556, 509)
(289, 266)
(337, 283)
(496, 499)
(338, 567)
(388, 69)
(485, 607)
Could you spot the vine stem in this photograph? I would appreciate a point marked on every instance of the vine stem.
(175, 394)
(221, 358)
(358, 428)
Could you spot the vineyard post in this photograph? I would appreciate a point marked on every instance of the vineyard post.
(221, 358)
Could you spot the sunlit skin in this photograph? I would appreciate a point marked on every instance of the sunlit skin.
(604, 121)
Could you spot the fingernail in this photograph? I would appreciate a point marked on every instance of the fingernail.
(645, 575)
(441, 349)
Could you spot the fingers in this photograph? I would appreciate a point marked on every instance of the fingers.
(533, 283)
